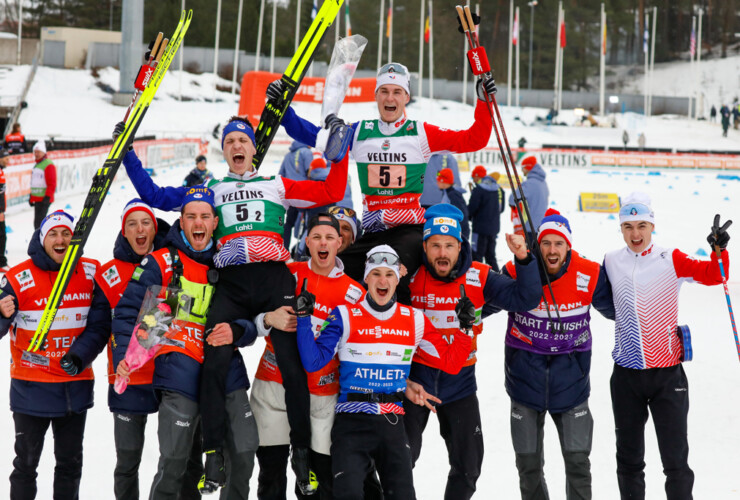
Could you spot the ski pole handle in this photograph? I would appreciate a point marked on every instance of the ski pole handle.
(461, 15)
(469, 16)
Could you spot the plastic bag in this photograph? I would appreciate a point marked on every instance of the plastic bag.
(344, 60)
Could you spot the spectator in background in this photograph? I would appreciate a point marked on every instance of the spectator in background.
(445, 182)
(43, 183)
(15, 142)
(200, 174)
(725, 113)
(735, 116)
(3, 238)
(535, 191)
(295, 167)
(713, 114)
(431, 195)
(641, 139)
(484, 209)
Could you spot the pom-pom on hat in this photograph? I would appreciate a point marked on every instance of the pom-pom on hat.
(444, 219)
(136, 205)
(636, 208)
(60, 218)
(198, 193)
(445, 175)
(528, 163)
(554, 223)
(479, 171)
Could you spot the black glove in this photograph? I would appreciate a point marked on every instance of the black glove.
(118, 130)
(333, 123)
(304, 302)
(719, 236)
(465, 310)
(71, 364)
(32, 203)
(476, 20)
(275, 90)
(47, 199)
(488, 84)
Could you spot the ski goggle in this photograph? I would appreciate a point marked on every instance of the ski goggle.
(382, 258)
(347, 212)
(393, 68)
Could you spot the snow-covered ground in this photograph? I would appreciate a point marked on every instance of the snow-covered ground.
(684, 202)
(69, 103)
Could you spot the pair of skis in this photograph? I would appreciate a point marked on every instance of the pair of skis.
(481, 68)
(147, 83)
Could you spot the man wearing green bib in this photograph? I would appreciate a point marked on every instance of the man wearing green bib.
(391, 154)
(43, 184)
(253, 278)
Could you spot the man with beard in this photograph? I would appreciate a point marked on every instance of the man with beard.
(435, 290)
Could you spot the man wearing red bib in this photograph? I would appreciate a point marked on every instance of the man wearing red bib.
(52, 386)
(435, 290)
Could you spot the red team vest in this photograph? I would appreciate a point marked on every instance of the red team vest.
(32, 287)
(113, 279)
(188, 337)
(330, 292)
(437, 299)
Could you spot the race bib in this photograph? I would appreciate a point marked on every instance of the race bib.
(246, 212)
(386, 176)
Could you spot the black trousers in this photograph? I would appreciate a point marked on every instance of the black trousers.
(484, 248)
(40, 209)
(405, 240)
(575, 429)
(29, 442)
(361, 440)
(3, 245)
(273, 482)
(243, 292)
(665, 393)
(460, 426)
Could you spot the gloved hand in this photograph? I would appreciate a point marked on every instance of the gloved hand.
(465, 310)
(339, 136)
(332, 123)
(118, 130)
(487, 83)
(47, 199)
(32, 203)
(275, 90)
(719, 235)
(71, 364)
(304, 302)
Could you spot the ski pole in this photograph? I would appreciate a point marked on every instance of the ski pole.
(468, 26)
(727, 297)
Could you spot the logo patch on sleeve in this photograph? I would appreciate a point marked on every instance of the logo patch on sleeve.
(137, 273)
(25, 279)
(353, 295)
(112, 277)
(90, 270)
(582, 281)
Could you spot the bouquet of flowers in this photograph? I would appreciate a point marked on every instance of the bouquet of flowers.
(160, 307)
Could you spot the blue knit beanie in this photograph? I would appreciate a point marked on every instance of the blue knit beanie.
(444, 219)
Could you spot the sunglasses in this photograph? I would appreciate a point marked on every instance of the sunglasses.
(393, 68)
(348, 212)
(382, 258)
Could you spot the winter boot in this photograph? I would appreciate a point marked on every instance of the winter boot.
(304, 476)
(214, 476)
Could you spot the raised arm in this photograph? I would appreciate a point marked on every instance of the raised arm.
(462, 141)
(307, 194)
(520, 294)
(316, 353)
(701, 271)
(164, 198)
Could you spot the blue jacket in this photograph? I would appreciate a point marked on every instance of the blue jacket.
(43, 399)
(296, 163)
(537, 195)
(558, 382)
(501, 292)
(431, 194)
(136, 399)
(164, 198)
(457, 200)
(175, 371)
(485, 207)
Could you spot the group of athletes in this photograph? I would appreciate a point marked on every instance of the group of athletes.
(363, 340)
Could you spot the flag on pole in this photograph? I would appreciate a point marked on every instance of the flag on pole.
(562, 33)
(314, 9)
(346, 19)
(426, 31)
(645, 38)
(692, 47)
(388, 23)
(515, 30)
(603, 40)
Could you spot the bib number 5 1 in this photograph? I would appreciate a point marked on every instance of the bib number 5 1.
(386, 176)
